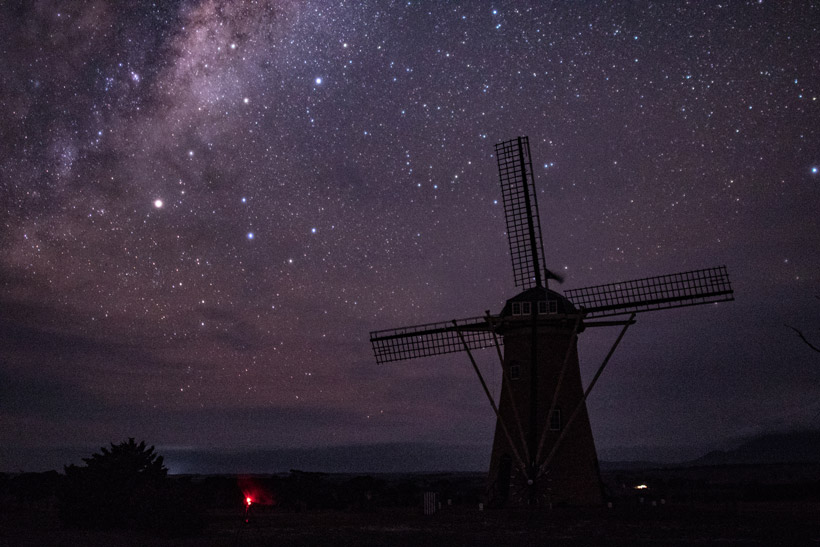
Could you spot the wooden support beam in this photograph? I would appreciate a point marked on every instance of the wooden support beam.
(509, 390)
(492, 404)
(554, 401)
(581, 404)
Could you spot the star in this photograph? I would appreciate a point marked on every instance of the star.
(642, 161)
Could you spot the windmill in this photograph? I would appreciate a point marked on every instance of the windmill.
(543, 450)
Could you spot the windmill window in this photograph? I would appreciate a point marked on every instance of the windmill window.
(553, 306)
(515, 372)
(516, 308)
(555, 420)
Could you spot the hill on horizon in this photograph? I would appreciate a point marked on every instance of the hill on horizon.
(786, 447)
(771, 448)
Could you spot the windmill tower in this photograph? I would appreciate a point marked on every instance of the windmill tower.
(543, 450)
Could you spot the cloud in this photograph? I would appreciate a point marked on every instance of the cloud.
(27, 396)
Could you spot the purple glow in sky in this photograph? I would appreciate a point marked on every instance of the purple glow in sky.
(145, 146)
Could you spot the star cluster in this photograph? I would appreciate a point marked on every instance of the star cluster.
(207, 205)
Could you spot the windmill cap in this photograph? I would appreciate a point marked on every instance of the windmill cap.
(553, 303)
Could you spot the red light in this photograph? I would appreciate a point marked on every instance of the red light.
(248, 501)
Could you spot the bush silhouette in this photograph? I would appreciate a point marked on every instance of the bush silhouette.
(126, 486)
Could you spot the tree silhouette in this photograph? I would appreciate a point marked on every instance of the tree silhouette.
(128, 458)
(803, 336)
(126, 486)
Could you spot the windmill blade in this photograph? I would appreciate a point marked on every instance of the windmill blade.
(431, 339)
(654, 293)
(521, 211)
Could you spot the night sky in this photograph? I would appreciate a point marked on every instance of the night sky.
(207, 206)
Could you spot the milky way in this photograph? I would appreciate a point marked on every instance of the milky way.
(207, 206)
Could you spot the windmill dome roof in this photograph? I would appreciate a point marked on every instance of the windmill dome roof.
(540, 294)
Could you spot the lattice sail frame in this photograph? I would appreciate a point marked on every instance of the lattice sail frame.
(521, 211)
(431, 339)
(654, 293)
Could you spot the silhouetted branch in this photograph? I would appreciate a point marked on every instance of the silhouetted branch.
(802, 337)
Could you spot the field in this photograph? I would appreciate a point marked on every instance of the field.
(711, 506)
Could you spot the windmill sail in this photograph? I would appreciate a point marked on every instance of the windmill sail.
(521, 211)
(655, 293)
(541, 374)
(431, 339)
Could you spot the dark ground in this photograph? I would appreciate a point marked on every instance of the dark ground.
(752, 524)
(737, 505)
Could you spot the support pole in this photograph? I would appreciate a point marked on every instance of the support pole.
(510, 393)
(554, 402)
(581, 404)
(492, 402)
(532, 430)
